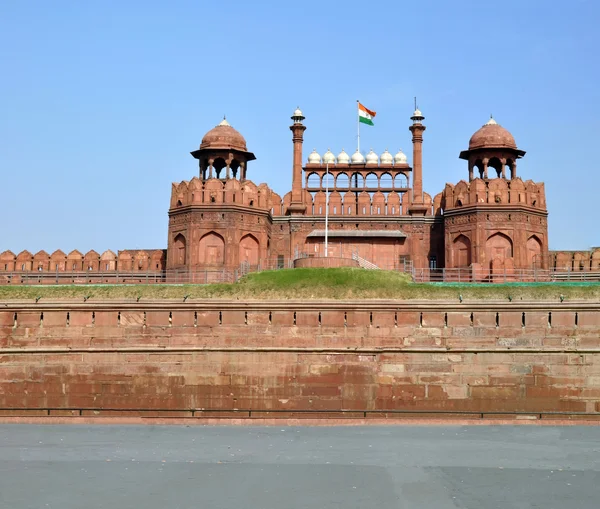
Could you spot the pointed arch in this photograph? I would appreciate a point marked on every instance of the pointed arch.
(342, 181)
(313, 180)
(461, 251)
(534, 252)
(179, 249)
(211, 249)
(400, 181)
(372, 181)
(499, 245)
(249, 250)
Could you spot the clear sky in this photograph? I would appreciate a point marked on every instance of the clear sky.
(101, 102)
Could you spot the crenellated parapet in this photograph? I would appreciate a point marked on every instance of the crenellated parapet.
(152, 260)
(217, 192)
(493, 192)
(576, 261)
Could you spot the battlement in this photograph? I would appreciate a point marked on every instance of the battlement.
(496, 191)
(151, 260)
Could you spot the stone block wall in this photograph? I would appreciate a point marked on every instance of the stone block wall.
(224, 358)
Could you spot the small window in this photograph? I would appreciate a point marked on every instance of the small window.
(280, 262)
(433, 262)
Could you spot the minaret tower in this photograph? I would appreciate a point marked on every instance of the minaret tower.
(297, 205)
(417, 206)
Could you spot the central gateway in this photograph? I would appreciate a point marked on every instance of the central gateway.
(377, 211)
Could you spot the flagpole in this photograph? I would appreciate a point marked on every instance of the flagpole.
(357, 126)
(326, 206)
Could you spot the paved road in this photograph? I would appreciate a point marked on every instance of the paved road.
(178, 467)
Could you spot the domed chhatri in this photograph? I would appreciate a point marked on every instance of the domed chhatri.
(357, 158)
(314, 157)
(223, 136)
(343, 157)
(492, 135)
(386, 157)
(372, 158)
(328, 157)
(400, 157)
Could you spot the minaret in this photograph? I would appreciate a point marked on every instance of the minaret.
(417, 206)
(297, 205)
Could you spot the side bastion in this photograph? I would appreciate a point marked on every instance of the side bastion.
(286, 358)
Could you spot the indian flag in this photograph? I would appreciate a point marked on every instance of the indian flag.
(365, 115)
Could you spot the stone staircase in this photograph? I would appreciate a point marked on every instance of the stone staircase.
(365, 264)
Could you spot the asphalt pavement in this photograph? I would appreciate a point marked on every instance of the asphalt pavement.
(226, 467)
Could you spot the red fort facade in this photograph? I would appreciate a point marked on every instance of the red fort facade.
(364, 210)
(377, 212)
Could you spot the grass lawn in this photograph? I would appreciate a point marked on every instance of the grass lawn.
(343, 283)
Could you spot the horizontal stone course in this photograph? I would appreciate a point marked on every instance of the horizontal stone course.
(75, 361)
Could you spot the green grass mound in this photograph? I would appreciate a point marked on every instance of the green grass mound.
(312, 283)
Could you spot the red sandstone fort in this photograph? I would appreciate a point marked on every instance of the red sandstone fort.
(214, 358)
(222, 224)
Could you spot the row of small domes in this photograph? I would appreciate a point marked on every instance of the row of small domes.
(357, 158)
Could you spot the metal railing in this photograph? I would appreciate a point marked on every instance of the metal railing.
(120, 277)
(215, 275)
(140, 277)
(479, 275)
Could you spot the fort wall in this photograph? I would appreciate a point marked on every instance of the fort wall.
(224, 358)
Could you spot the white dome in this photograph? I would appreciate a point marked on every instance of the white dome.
(343, 158)
(417, 113)
(328, 157)
(357, 157)
(386, 158)
(298, 113)
(314, 157)
(372, 158)
(400, 157)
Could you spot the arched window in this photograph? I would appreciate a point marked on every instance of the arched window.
(400, 181)
(313, 180)
(342, 181)
(357, 181)
(372, 181)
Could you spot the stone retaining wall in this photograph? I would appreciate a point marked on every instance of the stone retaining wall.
(221, 357)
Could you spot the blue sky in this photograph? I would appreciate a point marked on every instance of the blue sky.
(101, 102)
